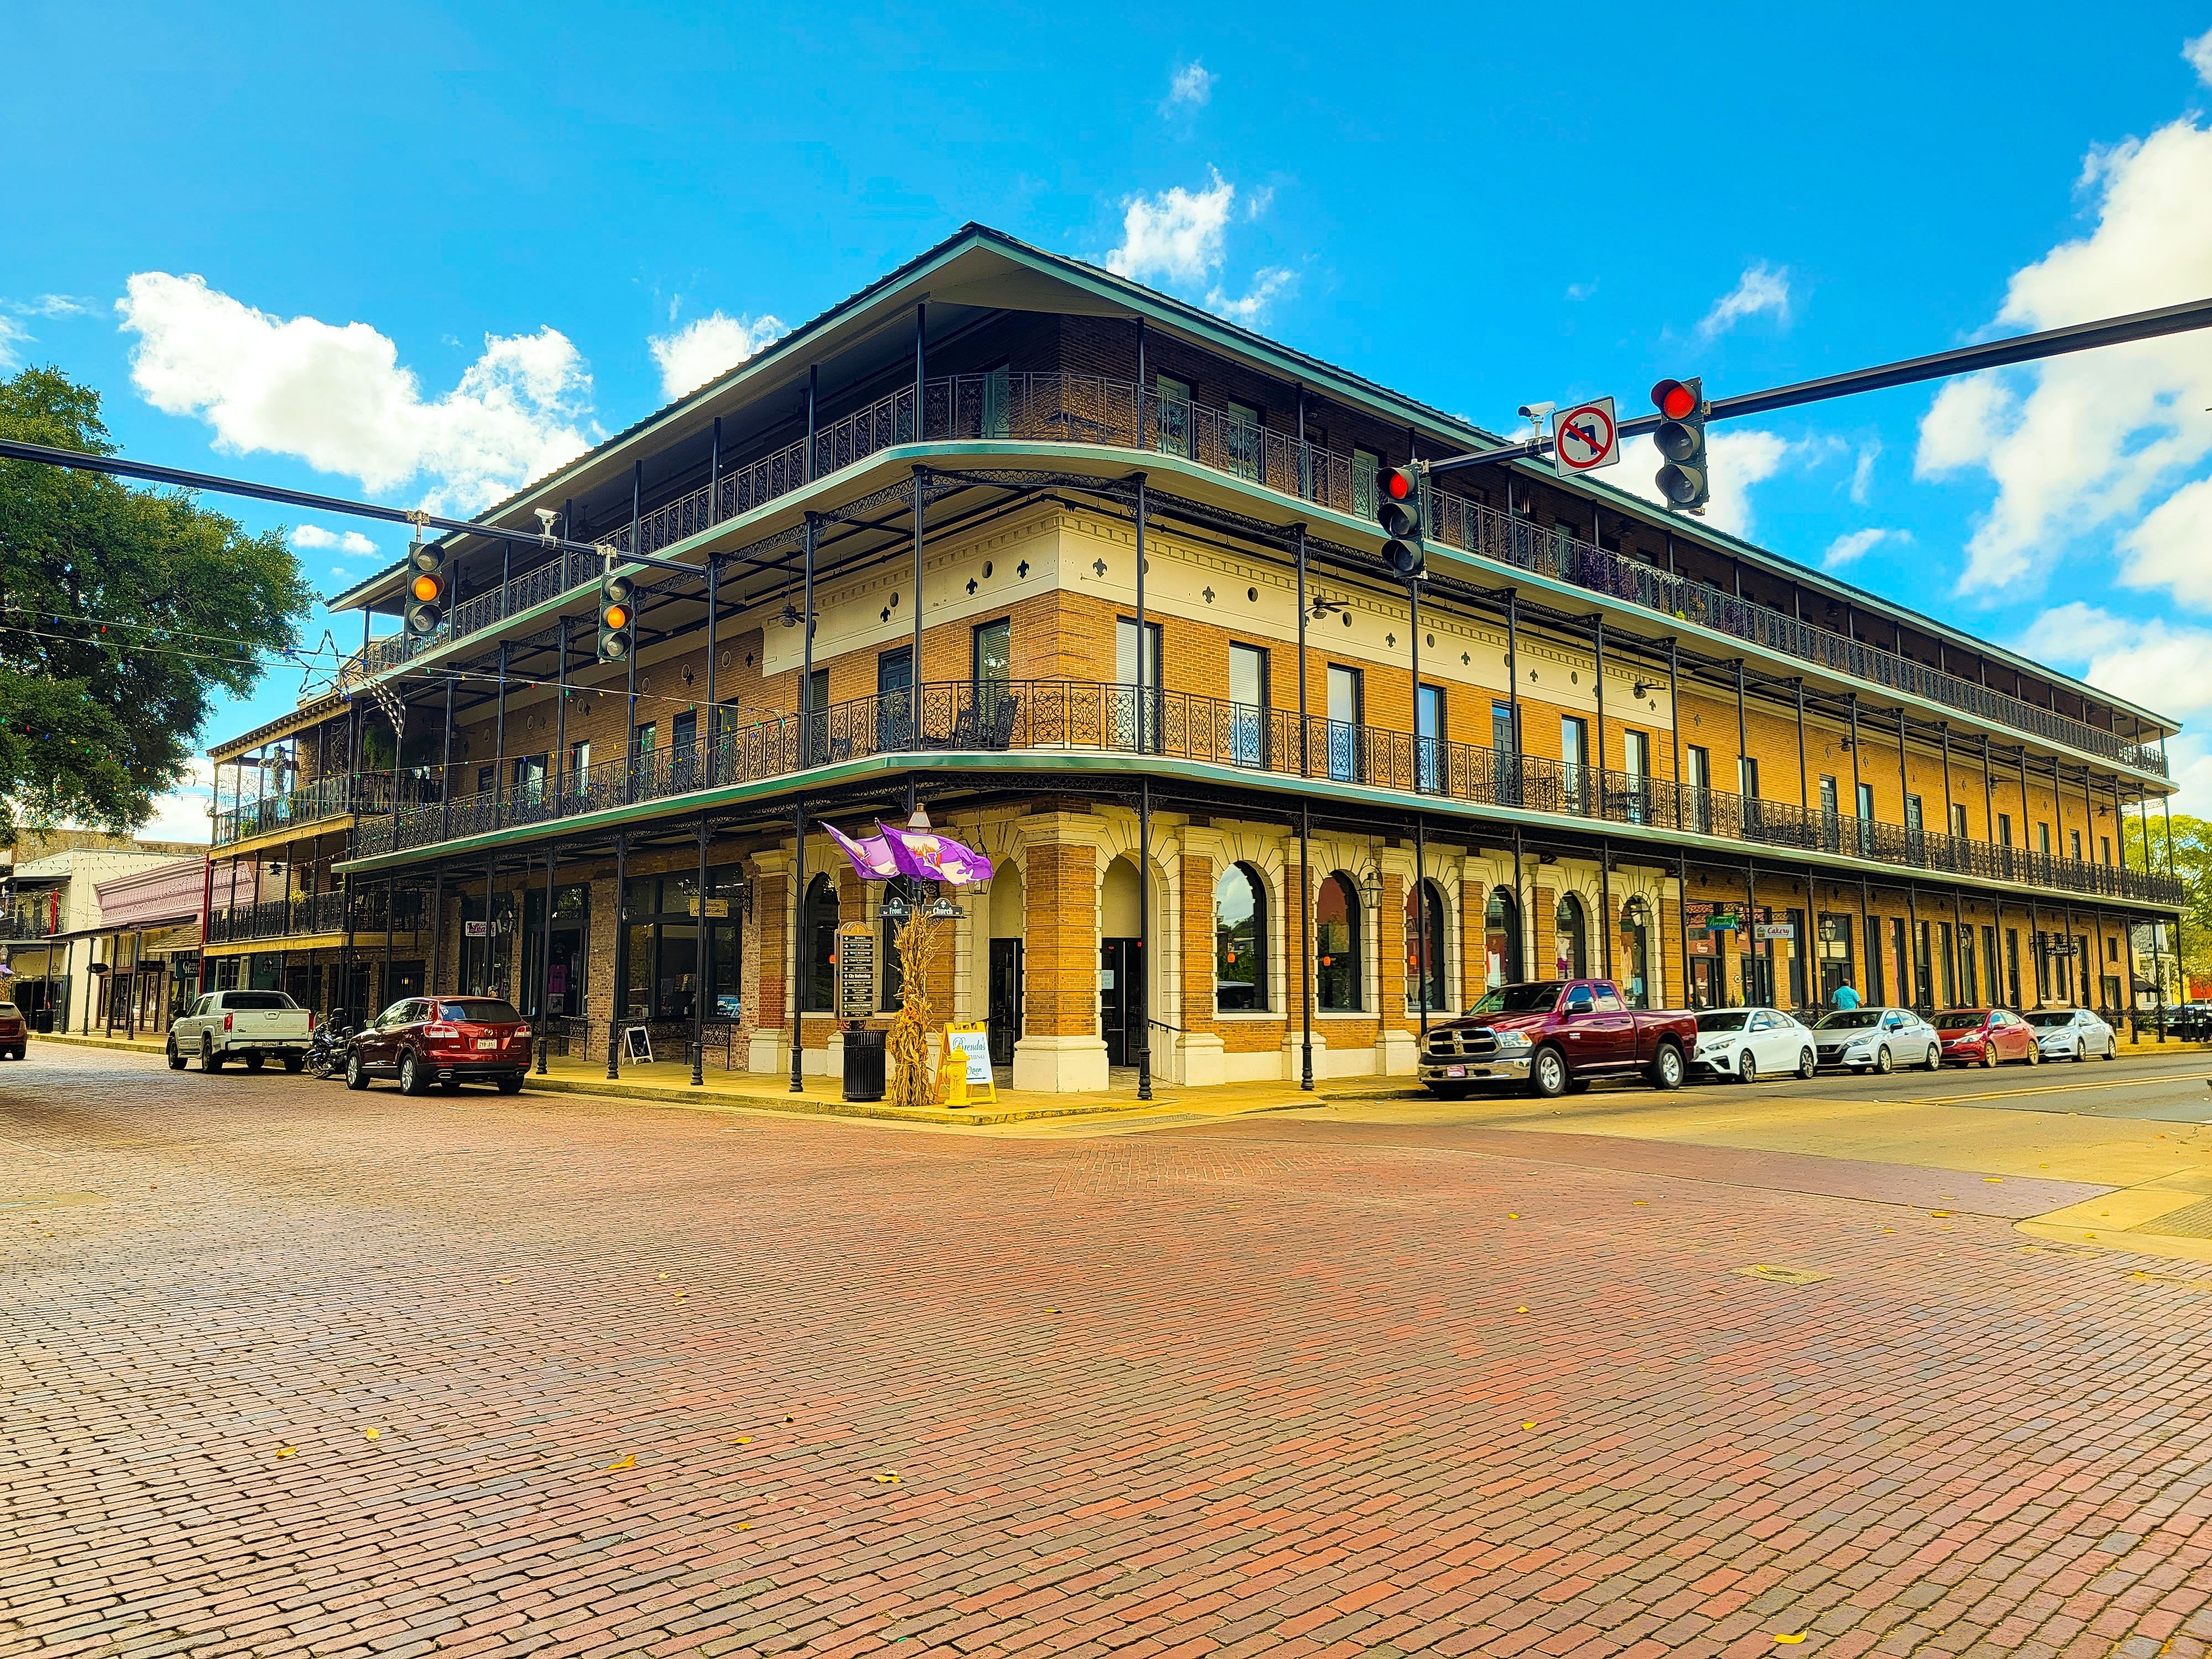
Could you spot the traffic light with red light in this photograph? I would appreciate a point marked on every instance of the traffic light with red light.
(617, 615)
(427, 587)
(1402, 507)
(1680, 440)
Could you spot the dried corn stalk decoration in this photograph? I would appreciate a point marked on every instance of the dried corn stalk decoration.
(911, 1043)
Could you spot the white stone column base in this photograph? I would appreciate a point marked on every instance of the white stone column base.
(1061, 1065)
(833, 1063)
(1198, 1060)
(1294, 1056)
(1397, 1054)
(769, 1053)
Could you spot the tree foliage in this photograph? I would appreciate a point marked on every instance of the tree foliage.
(123, 614)
(2191, 864)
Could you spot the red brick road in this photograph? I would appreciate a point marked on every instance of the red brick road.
(1273, 1386)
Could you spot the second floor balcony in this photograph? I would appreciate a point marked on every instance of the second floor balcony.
(317, 803)
(1044, 409)
(1072, 718)
(306, 915)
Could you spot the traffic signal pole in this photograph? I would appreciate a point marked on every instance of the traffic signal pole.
(1966, 360)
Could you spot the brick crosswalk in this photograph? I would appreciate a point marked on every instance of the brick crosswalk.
(293, 1370)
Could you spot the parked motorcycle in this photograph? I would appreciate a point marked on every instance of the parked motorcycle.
(326, 1048)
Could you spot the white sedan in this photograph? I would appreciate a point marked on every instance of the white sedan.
(2072, 1034)
(1745, 1043)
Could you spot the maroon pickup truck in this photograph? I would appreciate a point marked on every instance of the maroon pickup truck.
(1553, 1035)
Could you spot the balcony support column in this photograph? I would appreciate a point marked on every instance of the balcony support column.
(714, 467)
(914, 672)
(1512, 676)
(391, 910)
(1742, 735)
(2120, 830)
(1913, 949)
(1144, 891)
(1523, 923)
(499, 746)
(807, 746)
(706, 770)
(437, 931)
(2026, 813)
(1958, 935)
(207, 919)
(1912, 855)
(1681, 918)
(1804, 781)
(1597, 649)
(1413, 623)
(560, 767)
(1851, 709)
(813, 396)
(2039, 951)
(1305, 895)
(1304, 770)
(699, 973)
(1866, 943)
(1988, 807)
(629, 686)
(1144, 710)
(545, 962)
(797, 939)
(1674, 719)
(1950, 826)
(618, 1003)
(920, 372)
(1749, 932)
(1421, 919)
(2075, 982)
(1808, 948)
(1605, 899)
(445, 771)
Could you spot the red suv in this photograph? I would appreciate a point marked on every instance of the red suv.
(447, 1040)
(1986, 1036)
(13, 1031)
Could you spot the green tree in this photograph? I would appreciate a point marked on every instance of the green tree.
(2191, 864)
(124, 613)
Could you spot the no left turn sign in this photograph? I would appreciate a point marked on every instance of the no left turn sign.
(1584, 438)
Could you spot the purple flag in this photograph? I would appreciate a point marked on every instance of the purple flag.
(925, 856)
(872, 858)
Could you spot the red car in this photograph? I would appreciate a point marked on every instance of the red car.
(449, 1041)
(15, 1032)
(1986, 1036)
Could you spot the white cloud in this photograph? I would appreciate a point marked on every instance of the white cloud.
(1854, 545)
(1735, 461)
(12, 335)
(337, 397)
(1862, 472)
(1176, 236)
(343, 541)
(1268, 283)
(1762, 290)
(52, 304)
(1191, 87)
(2199, 54)
(708, 346)
(1579, 291)
(2087, 441)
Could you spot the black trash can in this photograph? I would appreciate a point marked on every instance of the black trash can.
(864, 1064)
(43, 1021)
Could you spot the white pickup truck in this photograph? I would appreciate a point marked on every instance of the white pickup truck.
(252, 1026)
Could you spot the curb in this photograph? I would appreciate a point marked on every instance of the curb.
(799, 1105)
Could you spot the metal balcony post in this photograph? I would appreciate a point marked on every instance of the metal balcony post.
(1681, 914)
(1305, 919)
(384, 984)
(559, 766)
(699, 973)
(1143, 713)
(913, 676)
(1674, 719)
(545, 963)
(445, 771)
(619, 1004)
(799, 941)
(1144, 897)
(714, 476)
(714, 708)
(1605, 897)
(1303, 769)
(499, 748)
(806, 745)
(437, 931)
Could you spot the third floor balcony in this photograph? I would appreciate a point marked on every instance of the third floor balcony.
(1041, 410)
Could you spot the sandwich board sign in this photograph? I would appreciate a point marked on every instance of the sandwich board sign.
(968, 1064)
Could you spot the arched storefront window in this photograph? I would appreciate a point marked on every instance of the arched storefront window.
(1635, 961)
(1501, 939)
(819, 989)
(1425, 964)
(1240, 941)
(1336, 947)
(1570, 939)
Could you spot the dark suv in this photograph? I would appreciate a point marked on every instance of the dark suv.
(449, 1041)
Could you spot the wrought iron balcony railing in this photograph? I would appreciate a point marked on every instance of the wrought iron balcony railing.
(1078, 716)
(1090, 409)
(318, 802)
(309, 914)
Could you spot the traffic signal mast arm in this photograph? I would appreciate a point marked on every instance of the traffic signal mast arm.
(77, 461)
(1966, 360)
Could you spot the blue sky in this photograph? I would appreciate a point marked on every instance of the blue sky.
(423, 258)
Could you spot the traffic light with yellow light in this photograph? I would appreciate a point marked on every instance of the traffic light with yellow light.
(1402, 507)
(427, 585)
(1681, 441)
(617, 615)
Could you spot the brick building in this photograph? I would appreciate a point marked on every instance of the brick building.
(1010, 490)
